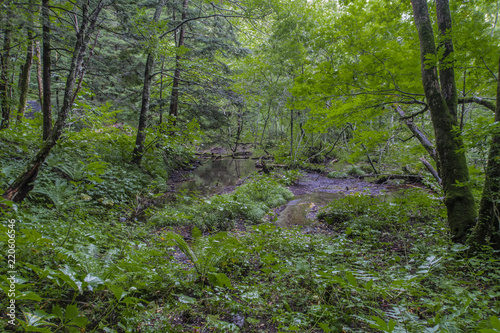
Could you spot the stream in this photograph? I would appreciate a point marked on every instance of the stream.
(311, 192)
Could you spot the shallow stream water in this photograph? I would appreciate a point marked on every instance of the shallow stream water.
(311, 192)
(214, 176)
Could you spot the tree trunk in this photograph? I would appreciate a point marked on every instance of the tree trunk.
(453, 165)
(23, 184)
(4, 74)
(46, 61)
(265, 123)
(25, 78)
(39, 72)
(291, 135)
(488, 226)
(138, 151)
(239, 129)
(446, 68)
(174, 99)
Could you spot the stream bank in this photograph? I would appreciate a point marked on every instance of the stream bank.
(312, 191)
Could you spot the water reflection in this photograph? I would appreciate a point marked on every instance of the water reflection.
(302, 210)
(214, 175)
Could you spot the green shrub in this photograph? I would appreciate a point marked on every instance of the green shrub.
(377, 212)
(337, 175)
(250, 202)
(355, 171)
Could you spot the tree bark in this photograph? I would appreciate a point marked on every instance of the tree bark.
(23, 184)
(446, 68)
(138, 151)
(25, 77)
(453, 165)
(265, 123)
(4, 74)
(174, 99)
(46, 61)
(488, 226)
(39, 72)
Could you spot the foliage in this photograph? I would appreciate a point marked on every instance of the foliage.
(355, 171)
(249, 202)
(337, 175)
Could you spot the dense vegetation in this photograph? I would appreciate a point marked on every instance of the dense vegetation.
(104, 101)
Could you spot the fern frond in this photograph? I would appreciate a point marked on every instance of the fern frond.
(183, 246)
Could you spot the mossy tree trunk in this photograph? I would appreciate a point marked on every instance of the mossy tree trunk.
(23, 184)
(26, 69)
(46, 71)
(4, 72)
(174, 99)
(453, 165)
(487, 230)
(138, 151)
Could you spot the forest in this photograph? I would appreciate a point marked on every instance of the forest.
(250, 166)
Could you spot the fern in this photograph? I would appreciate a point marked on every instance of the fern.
(59, 193)
(207, 253)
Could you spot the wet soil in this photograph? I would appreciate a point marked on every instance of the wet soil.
(313, 182)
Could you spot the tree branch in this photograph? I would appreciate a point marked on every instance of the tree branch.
(478, 100)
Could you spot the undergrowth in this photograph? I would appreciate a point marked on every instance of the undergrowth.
(386, 264)
(250, 202)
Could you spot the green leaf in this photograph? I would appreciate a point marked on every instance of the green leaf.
(78, 321)
(68, 275)
(71, 312)
(495, 322)
(220, 280)
(118, 292)
(186, 299)
(132, 300)
(93, 281)
(352, 280)
(196, 233)
(324, 327)
(29, 295)
(57, 311)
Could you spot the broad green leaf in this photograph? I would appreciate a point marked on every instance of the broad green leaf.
(186, 299)
(28, 295)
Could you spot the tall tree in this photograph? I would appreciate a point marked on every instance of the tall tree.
(46, 62)
(138, 151)
(459, 200)
(23, 184)
(174, 99)
(5, 84)
(487, 230)
(24, 80)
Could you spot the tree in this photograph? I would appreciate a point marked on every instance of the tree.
(23, 184)
(24, 80)
(146, 96)
(488, 226)
(5, 68)
(174, 99)
(368, 62)
(46, 80)
(442, 100)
